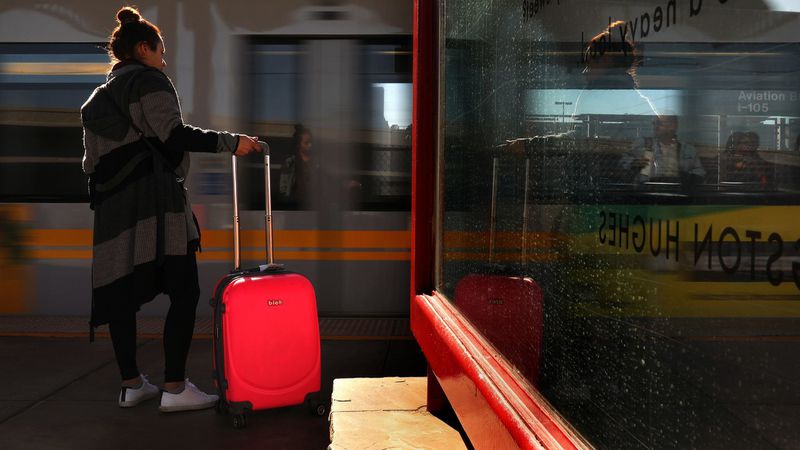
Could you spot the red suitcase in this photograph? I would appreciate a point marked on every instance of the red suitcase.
(266, 332)
(508, 310)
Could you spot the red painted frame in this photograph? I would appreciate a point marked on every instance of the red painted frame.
(423, 145)
(496, 407)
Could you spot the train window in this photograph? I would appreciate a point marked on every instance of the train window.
(386, 168)
(42, 87)
(352, 97)
(619, 186)
(275, 78)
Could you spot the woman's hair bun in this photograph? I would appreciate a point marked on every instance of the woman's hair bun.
(127, 15)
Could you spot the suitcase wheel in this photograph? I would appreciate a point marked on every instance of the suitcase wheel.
(315, 407)
(239, 421)
(221, 407)
(320, 409)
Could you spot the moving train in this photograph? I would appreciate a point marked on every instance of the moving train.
(341, 69)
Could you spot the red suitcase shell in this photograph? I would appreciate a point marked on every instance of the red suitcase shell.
(266, 342)
(509, 312)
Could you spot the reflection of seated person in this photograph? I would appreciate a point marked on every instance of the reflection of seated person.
(297, 169)
(742, 163)
(663, 157)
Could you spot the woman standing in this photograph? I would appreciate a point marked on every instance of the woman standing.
(145, 235)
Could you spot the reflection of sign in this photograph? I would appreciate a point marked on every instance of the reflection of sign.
(763, 101)
(530, 8)
(655, 236)
(660, 19)
(749, 102)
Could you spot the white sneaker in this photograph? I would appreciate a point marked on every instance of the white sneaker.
(133, 396)
(190, 399)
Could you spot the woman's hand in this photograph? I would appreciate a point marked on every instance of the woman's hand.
(247, 145)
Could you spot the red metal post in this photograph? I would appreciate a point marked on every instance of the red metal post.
(423, 145)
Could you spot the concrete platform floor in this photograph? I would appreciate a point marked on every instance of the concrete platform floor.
(387, 413)
(60, 393)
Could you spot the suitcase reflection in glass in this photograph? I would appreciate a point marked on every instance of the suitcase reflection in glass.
(506, 309)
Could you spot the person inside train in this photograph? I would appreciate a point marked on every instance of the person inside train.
(145, 235)
(301, 171)
(663, 157)
(741, 163)
(297, 168)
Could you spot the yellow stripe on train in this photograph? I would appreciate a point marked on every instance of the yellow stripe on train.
(346, 245)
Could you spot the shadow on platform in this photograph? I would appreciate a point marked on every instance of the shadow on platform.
(61, 393)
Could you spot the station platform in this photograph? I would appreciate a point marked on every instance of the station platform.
(390, 412)
(57, 390)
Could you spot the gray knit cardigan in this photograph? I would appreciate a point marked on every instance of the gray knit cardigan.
(144, 232)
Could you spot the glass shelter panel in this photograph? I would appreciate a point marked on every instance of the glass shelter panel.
(619, 190)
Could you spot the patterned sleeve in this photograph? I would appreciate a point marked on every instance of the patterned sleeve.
(161, 112)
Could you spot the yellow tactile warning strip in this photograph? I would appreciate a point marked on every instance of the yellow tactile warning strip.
(331, 328)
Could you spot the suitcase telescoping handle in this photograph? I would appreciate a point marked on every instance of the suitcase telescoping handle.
(493, 210)
(237, 256)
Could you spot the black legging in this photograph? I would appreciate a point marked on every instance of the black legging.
(178, 331)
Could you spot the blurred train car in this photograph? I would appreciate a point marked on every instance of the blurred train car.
(342, 69)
